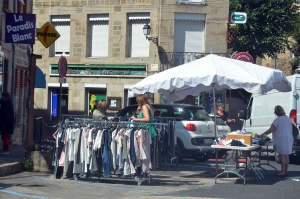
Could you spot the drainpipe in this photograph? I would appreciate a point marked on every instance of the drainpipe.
(13, 65)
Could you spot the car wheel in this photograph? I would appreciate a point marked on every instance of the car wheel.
(179, 151)
(277, 159)
(202, 157)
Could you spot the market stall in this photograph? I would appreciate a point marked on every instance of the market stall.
(210, 73)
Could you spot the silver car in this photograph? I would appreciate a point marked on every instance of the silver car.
(195, 128)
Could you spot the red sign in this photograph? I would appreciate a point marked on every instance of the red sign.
(243, 56)
(62, 66)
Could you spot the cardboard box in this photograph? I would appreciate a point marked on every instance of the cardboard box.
(246, 137)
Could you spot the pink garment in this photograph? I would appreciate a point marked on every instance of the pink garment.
(62, 158)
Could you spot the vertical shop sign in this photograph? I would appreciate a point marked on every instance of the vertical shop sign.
(20, 28)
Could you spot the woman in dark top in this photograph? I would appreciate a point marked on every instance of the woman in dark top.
(6, 120)
(223, 114)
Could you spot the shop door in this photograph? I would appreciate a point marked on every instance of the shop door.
(55, 105)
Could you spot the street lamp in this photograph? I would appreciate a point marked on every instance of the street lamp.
(147, 30)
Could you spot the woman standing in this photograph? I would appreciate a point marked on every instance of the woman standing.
(6, 120)
(281, 130)
(100, 112)
(146, 112)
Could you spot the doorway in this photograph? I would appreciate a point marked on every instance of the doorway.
(55, 98)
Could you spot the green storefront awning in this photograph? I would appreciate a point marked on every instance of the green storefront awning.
(101, 70)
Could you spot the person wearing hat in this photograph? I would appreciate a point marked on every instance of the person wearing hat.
(223, 114)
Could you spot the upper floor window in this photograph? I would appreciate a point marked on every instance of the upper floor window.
(189, 32)
(138, 44)
(191, 1)
(5, 6)
(61, 24)
(98, 35)
(22, 6)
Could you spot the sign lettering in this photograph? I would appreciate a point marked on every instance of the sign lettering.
(238, 17)
(47, 34)
(20, 28)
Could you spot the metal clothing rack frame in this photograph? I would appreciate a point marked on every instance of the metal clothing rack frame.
(65, 116)
(88, 121)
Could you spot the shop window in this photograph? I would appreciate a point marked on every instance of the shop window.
(94, 97)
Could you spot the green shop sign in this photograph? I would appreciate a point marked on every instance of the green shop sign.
(101, 70)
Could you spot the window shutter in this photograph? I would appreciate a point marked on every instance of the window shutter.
(189, 36)
(139, 45)
(62, 44)
(99, 41)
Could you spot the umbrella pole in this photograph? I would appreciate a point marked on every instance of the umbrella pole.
(216, 151)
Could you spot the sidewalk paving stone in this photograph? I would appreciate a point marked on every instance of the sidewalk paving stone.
(11, 163)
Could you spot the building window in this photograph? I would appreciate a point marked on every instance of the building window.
(138, 44)
(5, 6)
(189, 32)
(62, 26)
(199, 2)
(98, 35)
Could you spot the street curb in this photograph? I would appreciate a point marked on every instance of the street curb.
(9, 168)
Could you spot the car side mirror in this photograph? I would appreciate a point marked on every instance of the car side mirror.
(242, 114)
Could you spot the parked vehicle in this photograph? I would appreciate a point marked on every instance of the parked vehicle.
(260, 112)
(195, 131)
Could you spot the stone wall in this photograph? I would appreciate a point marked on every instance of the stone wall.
(162, 25)
(282, 62)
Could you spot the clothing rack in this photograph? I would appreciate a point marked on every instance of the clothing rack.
(85, 120)
(106, 123)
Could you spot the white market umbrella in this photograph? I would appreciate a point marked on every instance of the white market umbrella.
(209, 73)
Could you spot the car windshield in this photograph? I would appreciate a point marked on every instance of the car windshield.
(196, 114)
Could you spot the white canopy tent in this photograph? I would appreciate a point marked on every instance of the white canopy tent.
(210, 73)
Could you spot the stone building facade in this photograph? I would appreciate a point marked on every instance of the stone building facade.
(14, 67)
(107, 51)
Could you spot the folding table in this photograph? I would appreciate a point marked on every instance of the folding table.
(233, 167)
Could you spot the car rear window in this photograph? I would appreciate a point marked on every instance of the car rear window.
(196, 114)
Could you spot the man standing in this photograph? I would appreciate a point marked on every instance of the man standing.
(223, 114)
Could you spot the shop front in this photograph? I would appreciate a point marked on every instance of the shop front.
(86, 84)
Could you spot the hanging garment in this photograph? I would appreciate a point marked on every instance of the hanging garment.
(113, 147)
(77, 165)
(106, 164)
(145, 146)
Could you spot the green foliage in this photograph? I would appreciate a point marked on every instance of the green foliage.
(270, 24)
(33, 147)
(294, 46)
(27, 164)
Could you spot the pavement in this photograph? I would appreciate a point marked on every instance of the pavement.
(11, 163)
